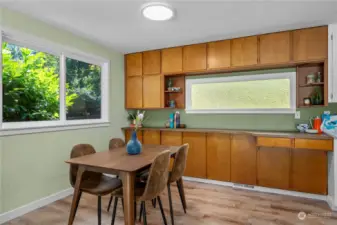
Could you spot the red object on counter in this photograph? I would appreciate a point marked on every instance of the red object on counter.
(317, 124)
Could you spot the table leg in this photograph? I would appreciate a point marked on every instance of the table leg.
(180, 184)
(76, 195)
(128, 179)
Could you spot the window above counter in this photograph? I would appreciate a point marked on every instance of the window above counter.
(267, 93)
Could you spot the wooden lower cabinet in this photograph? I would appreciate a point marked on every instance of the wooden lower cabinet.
(171, 138)
(151, 137)
(218, 156)
(243, 159)
(128, 135)
(196, 159)
(309, 171)
(273, 167)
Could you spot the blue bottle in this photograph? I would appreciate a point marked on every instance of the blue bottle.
(172, 120)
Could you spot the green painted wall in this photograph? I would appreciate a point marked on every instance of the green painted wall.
(279, 122)
(32, 166)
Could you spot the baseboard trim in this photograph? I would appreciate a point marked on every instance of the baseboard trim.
(331, 203)
(7, 216)
(260, 189)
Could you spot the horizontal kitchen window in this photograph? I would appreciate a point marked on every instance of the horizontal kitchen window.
(267, 93)
(44, 88)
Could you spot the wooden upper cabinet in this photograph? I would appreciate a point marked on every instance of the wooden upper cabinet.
(151, 137)
(243, 159)
(134, 92)
(151, 62)
(309, 171)
(244, 51)
(218, 156)
(172, 60)
(310, 43)
(134, 64)
(194, 57)
(219, 54)
(152, 91)
(275, 48)
(273, 167)
(196, 159)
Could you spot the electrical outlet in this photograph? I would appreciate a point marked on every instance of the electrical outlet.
(298, 115)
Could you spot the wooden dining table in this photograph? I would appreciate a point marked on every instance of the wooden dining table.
(117, 161)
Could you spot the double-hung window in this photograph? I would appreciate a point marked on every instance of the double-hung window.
(45, 85)
(267, 93)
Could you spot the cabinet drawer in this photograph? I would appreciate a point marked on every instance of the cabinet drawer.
(274, 142)
(325, 145)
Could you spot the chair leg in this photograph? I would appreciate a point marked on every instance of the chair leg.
(123, 204)
(162, 210)
(181, 194)
(78, 201)
(114, 211)
(135, 209)
(170, 203)
(109, 205)
(141, 212)
(144, 213)
(99, 210)
(154, 202)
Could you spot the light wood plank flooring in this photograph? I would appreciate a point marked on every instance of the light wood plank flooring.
(207, 204)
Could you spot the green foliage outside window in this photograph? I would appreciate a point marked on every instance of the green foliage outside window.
(31, 85)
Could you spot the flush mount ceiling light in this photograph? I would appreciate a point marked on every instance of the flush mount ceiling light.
(157, 11)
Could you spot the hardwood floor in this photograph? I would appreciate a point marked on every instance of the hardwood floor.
(207, 204)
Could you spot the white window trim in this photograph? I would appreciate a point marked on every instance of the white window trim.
(11, 128)
(288, 75)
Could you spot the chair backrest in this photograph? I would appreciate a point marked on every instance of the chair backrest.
(179, 164)
(81, 150)
(116, 143)
(158, 176)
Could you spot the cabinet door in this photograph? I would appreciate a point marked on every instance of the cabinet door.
(134, 92)
(194, 57)
(134, 64)
(273, 167)
(151, 137)
(310, 43)
(243, 159)
(151, 62)
(219, 54)
(172, 60)
(152, 92)
(172, 138)
(275, 48)
(218, 156)
(128, 135)
(309, 171)
(196, 159)
(244, 51)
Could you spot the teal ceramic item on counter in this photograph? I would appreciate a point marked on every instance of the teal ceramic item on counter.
(134, 147)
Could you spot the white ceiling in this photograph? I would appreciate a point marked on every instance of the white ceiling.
(119, 25)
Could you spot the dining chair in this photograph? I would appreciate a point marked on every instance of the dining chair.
(116, 143)
(113, 144)
(155, 185)
(92, 183)
(175, 175)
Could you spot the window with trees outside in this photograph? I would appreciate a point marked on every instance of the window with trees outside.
(267, 93)
(42, 88)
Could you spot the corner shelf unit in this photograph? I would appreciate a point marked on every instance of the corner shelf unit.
(305, 90)
(177, 96)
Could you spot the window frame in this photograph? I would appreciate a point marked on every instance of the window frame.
(270, 76)
(25, 40)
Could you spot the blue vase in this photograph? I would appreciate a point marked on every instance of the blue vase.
(134, 147)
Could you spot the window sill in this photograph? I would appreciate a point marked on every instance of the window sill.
(53, 128)
(215, 111)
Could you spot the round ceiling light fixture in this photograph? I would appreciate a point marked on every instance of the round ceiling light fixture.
(157, 11)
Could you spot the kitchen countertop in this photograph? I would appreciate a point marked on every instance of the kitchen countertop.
(282, 134)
